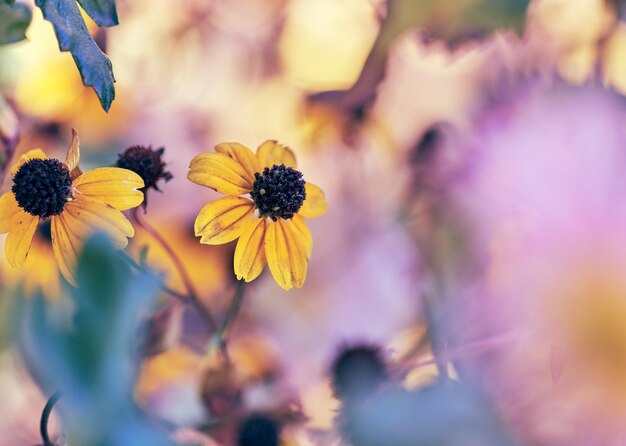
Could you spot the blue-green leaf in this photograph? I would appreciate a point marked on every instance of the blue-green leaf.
(14, 19)
(88, 350)
(71, 31)
(103, 12)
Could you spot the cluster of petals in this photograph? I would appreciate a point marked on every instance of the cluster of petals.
(283, 244)
(94, 205)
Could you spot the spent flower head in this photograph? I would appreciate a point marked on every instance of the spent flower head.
(358, 372)
(258, 430)
(148, 164)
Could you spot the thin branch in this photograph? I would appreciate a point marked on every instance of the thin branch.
(233, 311)
(192, 295)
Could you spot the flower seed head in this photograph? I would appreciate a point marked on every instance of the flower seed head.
(278, 192)
(358, 372)
(258, 430)
(147, 163)
(42, 187)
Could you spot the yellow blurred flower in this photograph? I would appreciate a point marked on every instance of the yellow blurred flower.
(278, 194)
(76, 203)
(49, 86)
(206, 268)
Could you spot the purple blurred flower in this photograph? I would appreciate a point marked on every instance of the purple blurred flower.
(543, 194)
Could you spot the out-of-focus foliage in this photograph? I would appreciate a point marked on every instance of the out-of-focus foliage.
(453, 19)
(450, 20)
(8, 133)
(14, 19)
(621, 7)
(92, 358)
(443, 414)
(95, 67)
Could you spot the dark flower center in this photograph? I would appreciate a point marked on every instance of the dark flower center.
(278, 192)
(145, 162)
(42, 187)
(358, 372)
(258, 430)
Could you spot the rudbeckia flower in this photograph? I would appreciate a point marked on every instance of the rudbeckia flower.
(278, 196)
(77, 204)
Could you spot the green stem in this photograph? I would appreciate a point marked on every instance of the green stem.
(233, 311)
(45, 416)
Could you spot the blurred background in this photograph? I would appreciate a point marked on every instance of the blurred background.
(451, 138)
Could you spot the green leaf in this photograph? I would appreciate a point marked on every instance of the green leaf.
(454, 19)
(14, 20)
(88, 350)
(95, 67)
(103, 12)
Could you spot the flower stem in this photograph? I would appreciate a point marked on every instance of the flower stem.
(233, 311)
(437, 341)
(192, 295)
(45, 416)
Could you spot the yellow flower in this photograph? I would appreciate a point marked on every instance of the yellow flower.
(76, 203)
(46, 278)
(278, 196)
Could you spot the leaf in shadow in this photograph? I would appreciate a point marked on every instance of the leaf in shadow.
(442, 413)
(94, 66)
(92, 357)
(103, 12)
(14, 20)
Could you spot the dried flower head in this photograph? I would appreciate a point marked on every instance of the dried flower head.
(358, 372)
(148, 164)
(258, 430)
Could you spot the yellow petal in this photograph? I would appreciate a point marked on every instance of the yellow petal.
(65, 245)
(221, 173)
(31, 154)
(73, 156)
(302, 230)
(22, 229)
(8, 209)
(111, 185)
(46, 280)
(84, 216)
(272, 152)
(250, 252)
(242, 155)
(286, 255)
(224, 220)
(315, 204)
